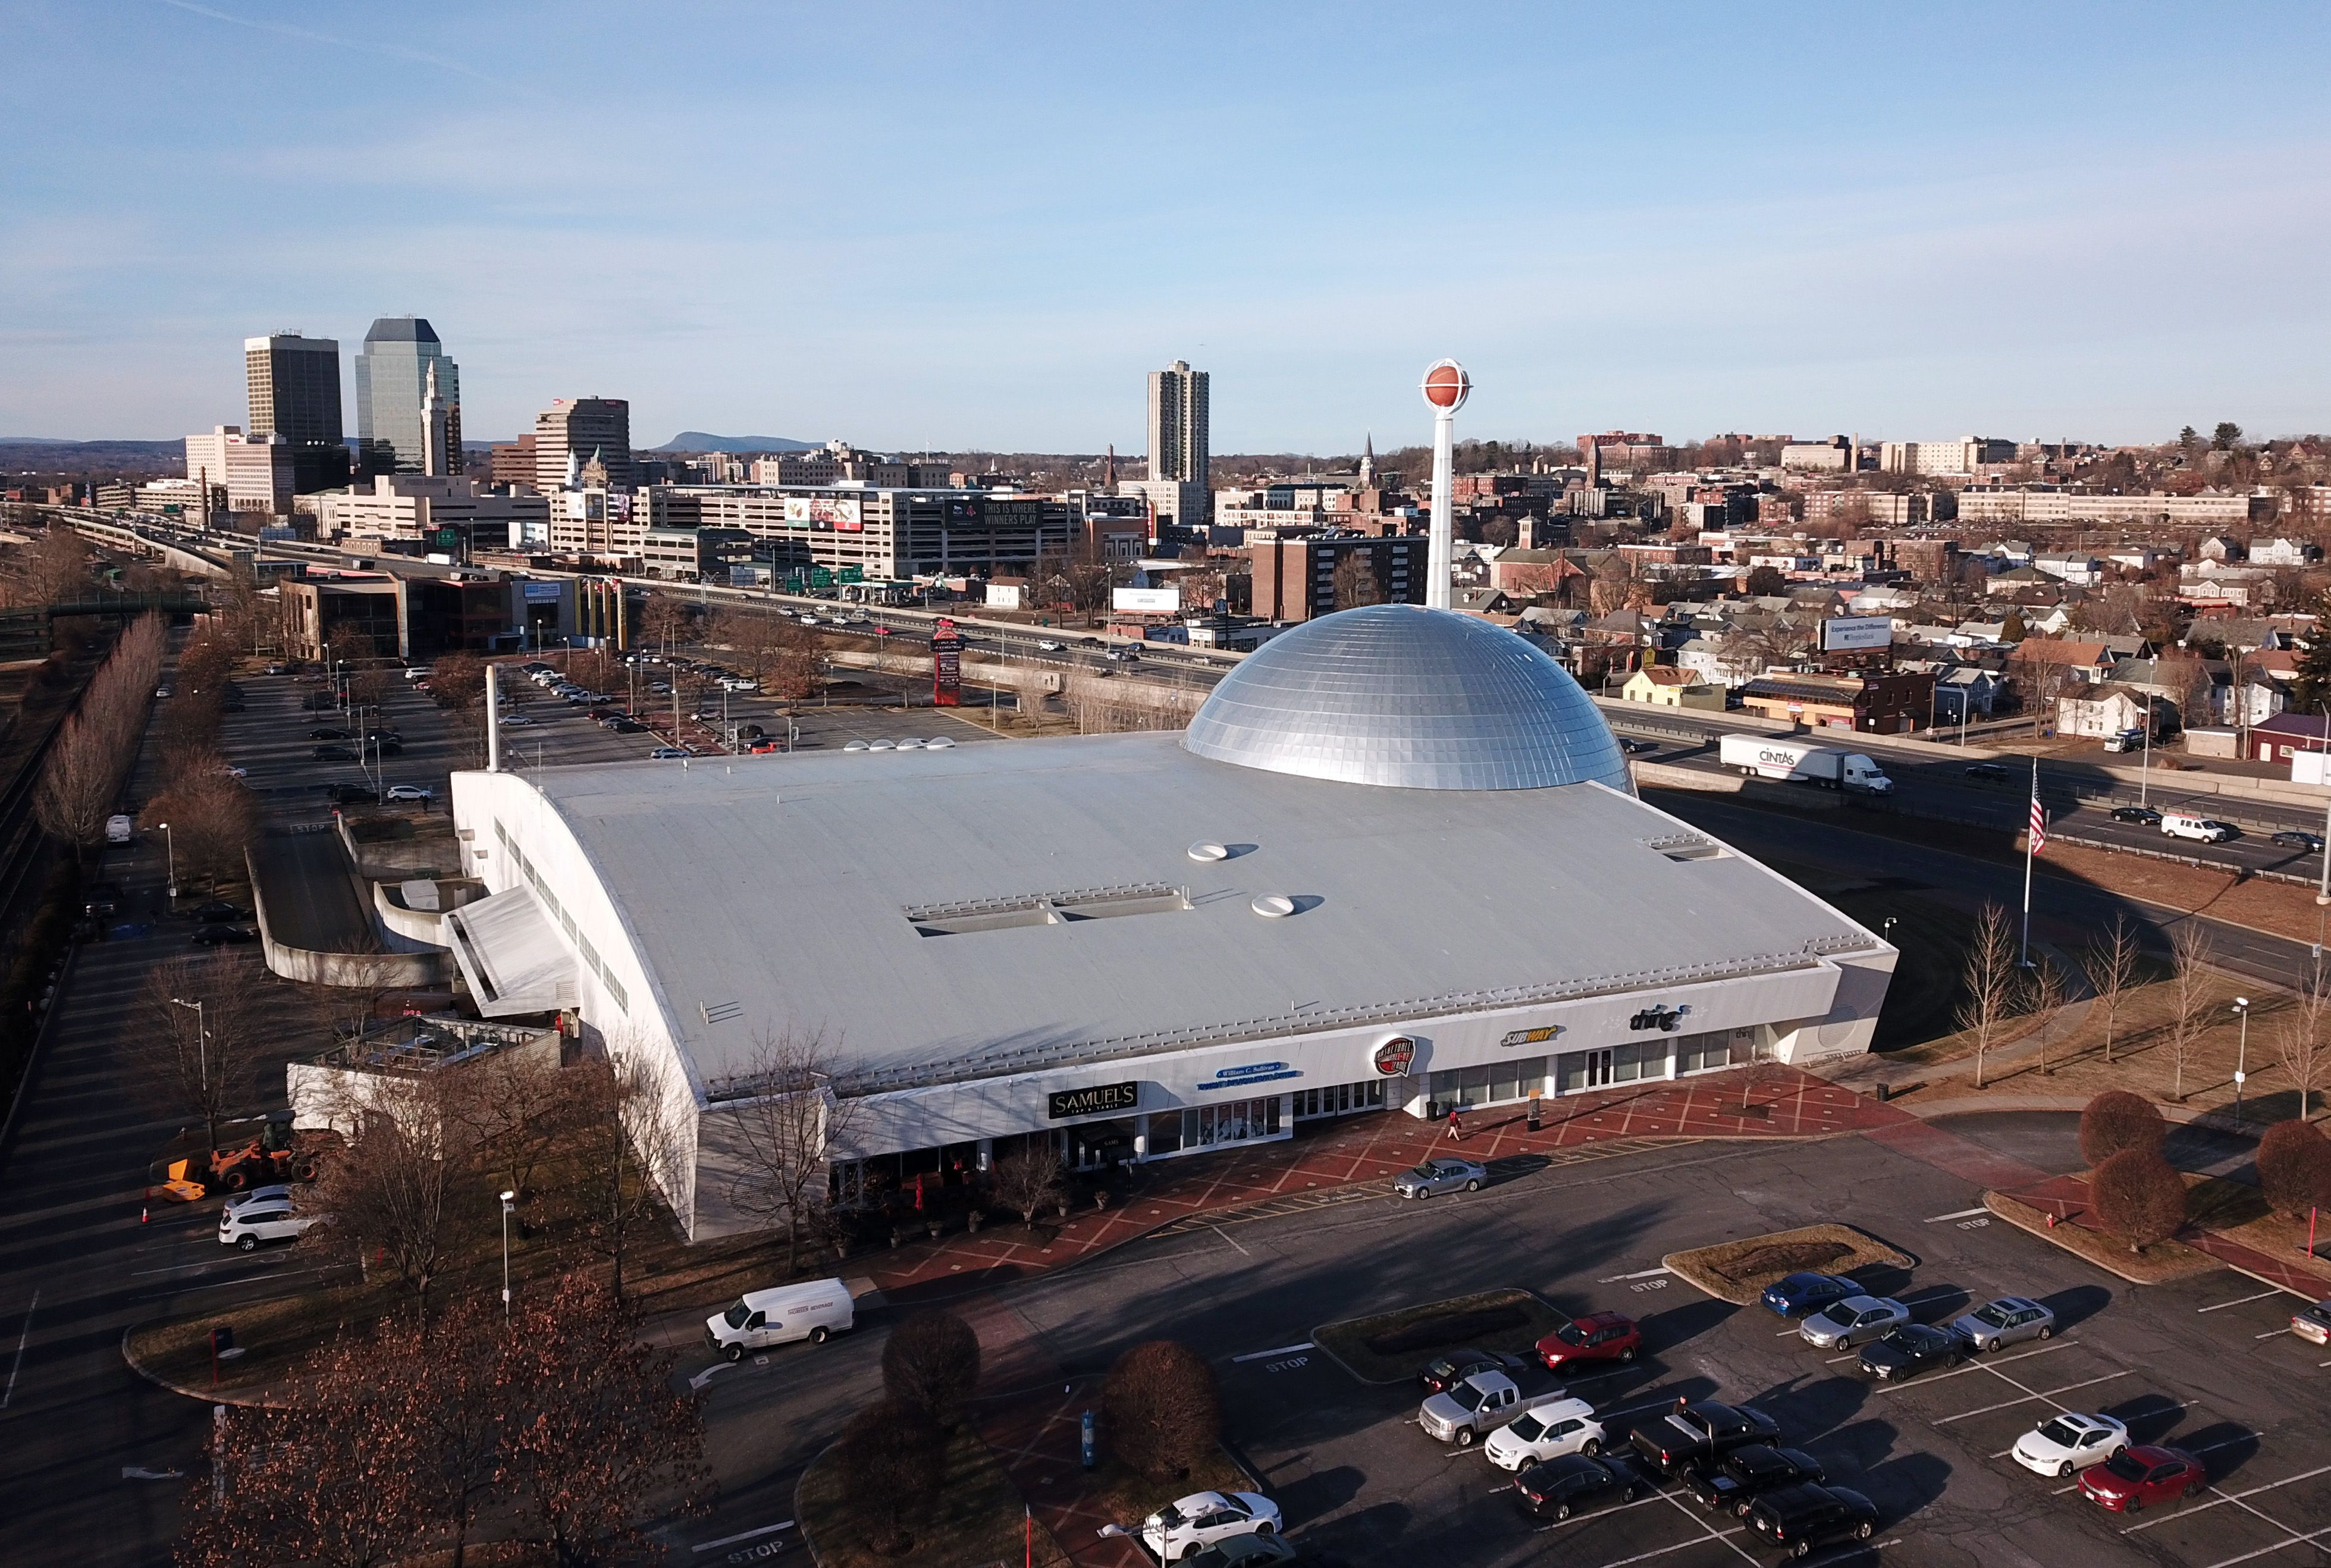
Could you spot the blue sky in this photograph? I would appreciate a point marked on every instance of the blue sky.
(978, 226)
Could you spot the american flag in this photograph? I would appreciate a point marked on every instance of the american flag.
(2039, 823)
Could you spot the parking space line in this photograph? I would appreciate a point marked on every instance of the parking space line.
(2027, 1399)
(2297, 1540)
(1990, 1367)
(2238, 1300)
(2235, 1497)
(1630, 1409)
(1712, 1533)
(1604, 1512)
(1267, 1354)
(1664, 1551)
(1645, 1274)
(1957, 1214)
(2270, 1333)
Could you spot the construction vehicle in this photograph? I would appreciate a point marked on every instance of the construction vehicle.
(251, 1151)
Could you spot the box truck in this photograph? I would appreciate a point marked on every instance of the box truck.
(1764, 757)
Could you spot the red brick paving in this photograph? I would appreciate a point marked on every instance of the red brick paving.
(2068, 1198)
(1766, 1101)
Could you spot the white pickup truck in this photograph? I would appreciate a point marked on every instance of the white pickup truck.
(1548, 1430)
(1479, 1406)
(1764, 757)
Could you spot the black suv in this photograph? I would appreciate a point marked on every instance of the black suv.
(1445, 1371)
(1799, 1518)
(1744, 1475)
(353, 795)
(2144, 815)
(1986, 772)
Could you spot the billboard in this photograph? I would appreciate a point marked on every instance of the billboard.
(964, 512)
(1146, 601)
(542, 592)
(837, 514)
(946, 664)
(1844, 633)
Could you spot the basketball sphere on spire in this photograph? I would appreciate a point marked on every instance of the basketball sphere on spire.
(1446, 385)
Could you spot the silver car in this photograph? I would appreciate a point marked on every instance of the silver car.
(2005, 1322)
(1442, 1174)
(1856, 1320)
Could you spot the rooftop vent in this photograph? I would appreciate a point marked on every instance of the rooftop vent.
(938, 743)
(1203, 850)
(1273, 905)
(1068, 908)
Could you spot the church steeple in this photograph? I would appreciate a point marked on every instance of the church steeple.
(1368, 462)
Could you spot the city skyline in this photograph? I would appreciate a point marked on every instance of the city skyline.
(2103, 226)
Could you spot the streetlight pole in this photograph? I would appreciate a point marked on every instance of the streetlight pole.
(2145, 762)
(2243, 1056)
(170, 849)
(203, 1065)
(508, 1199)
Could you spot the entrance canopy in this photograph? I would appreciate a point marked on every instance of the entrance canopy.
(513, 959)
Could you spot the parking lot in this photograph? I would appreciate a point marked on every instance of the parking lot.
(2207, 1366)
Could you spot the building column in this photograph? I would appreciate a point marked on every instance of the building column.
(1141, 1136)
(987, 1155)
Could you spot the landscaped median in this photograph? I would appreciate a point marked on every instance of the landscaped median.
(1738, 1271)
(1389, 1346)
(973, 1516)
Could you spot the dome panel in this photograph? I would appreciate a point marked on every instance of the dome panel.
(1409, 698)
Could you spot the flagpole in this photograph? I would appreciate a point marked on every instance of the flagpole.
(2031, 831)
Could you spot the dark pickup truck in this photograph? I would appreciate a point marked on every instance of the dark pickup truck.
(1730, 1484)
(1700, 1431)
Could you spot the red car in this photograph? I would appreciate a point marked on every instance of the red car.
(1597, 1336)
(2147, 1473)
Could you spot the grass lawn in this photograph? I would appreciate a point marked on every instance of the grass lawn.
(1390, 1346)
(2157, 1264)
(1738, 1271)
(975, 1519)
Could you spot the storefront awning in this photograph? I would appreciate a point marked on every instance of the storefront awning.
(512, 956)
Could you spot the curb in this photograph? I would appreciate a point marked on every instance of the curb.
(207, 1395)
(1996, 1202)
(2183, 1116)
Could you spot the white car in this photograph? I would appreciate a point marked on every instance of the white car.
(1052, 647)
(515, 721)
(738, 683)
(670, 754)
(2064, 1445)
(1187, 1525)
(410, 792)
(1547, 1432)
(270, 1194)
(275, 1221)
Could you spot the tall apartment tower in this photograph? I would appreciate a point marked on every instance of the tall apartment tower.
(294, 384)
(392, 384)
(584, 428)
(1178, 447)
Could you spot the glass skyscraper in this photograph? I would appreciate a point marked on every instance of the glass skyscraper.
(392, 379)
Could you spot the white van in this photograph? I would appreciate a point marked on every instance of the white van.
(2186, 825)
(119, 830)
(761, 1318)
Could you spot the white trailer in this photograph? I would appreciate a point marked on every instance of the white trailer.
(1798, 762)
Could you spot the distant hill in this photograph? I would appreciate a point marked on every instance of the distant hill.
(697, 441)
(42, 455)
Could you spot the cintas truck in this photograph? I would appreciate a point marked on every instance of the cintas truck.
(1765, 756)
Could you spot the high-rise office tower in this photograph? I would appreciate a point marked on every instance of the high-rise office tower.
(295, 392)
(1177, 424)
(584, 428)
(392, 381)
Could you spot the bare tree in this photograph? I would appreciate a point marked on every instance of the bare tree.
(60, 566)
(630, 1142)
(1354, 582)
(665, 622)
(211, 817)
(2042, 997)
(516, 1105)
(1028, 1181)
(786, 1120)
(2110, 964)
(1989, 984)
(79, 782)
(404, 1186)
(198, 1047)
(2190, 981)
(2301, 1045)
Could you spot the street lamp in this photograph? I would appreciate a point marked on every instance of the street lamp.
(2243, 1057)
(508, 1199)
(203, 1064)
(170, 848)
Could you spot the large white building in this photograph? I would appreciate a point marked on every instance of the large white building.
(2056, 504)
(411, 507)
(1395, 864)
(1963, 456)
(255, 472)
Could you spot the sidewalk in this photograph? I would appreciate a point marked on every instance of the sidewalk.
(2068, 1198)
(1033, 1415)
(1766, 1101)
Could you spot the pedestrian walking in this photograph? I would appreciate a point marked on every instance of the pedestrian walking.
(1456, 1127)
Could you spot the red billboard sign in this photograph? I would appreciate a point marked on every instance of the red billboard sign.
(947, 665)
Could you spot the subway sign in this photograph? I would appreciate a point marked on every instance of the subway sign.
(1100, 1099)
